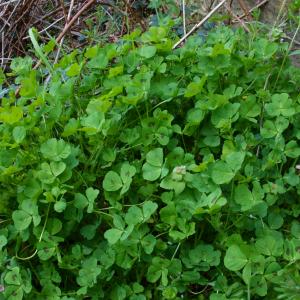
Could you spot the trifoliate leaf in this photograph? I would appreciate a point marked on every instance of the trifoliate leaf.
(151, 172)
(235, 259)
(147, 51)
(155, 157)
(112, 181)
(21, 219)
(113, 235)
(55, 150)
(222, 173)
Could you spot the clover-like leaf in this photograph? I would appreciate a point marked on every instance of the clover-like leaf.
(21, 219)
(151, 172)
(222, 173)
(113, 235)
(112, 181)
(235, 259)
(57, 167)
(244, 197)
(281, 105)
(155, 157)
(19, 134)
(149, 208)
(89, 272)
(147, 51)
(292, 149)
(134, 215)
(195, 87)
(127, 171)
(55, 150)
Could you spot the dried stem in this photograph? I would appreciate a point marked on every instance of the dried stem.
(254, 7)
(183, 17)
(237, 18)
(200, 23)
(64, 10)
(245, 9)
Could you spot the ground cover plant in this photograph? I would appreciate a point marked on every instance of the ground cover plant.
(134, 171)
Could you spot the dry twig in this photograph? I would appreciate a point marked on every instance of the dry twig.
(200, 23)
(254, 8)
(237, 18)
(183, 17)
(73, 20)
(245, 9)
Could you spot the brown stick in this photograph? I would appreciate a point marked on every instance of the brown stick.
(64, 10)
(255, 7)
(73, 20)
(237, 18)
(199, 24)
(245, 9)
(69, 25)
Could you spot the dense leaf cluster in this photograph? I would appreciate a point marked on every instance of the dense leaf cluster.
(140, 172)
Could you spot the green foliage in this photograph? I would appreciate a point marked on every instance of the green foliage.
(141, 172)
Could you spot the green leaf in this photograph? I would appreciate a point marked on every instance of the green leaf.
(170, 292)
(148, 243)
(100, 61)
(54, 226)
(91, 195)
(89, 231)
(134, 216)
(292, 149)
(38, 49)
(260, 285)
(46, 250)
(170, 184)
(115, 71)
(268, 130)
(127, 171)
(247, 273)
(235, 160)
(89, 272)
(281, 105)
(21, 219)
(195, 116)
(71, 127)
(224, 115)
(147, 51)
(57, 167)
(80, 201)
(11, 115)
(112, 181)
(155, 157)
(19, 134)
(13, 277)
(295, 229)
(195, 88)
(244, 197)
(73, 70)
(60, 206)
(55, 150)
(93, 123)
(235, 259)
(3, 241)
(275, 220)
(151, 172)
(296, 52)
(270, 244)
(222, 173)
(149, 208)
(250, 109)
(113, 235)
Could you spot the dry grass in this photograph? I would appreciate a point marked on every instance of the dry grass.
(51, 17)
(102, 21)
